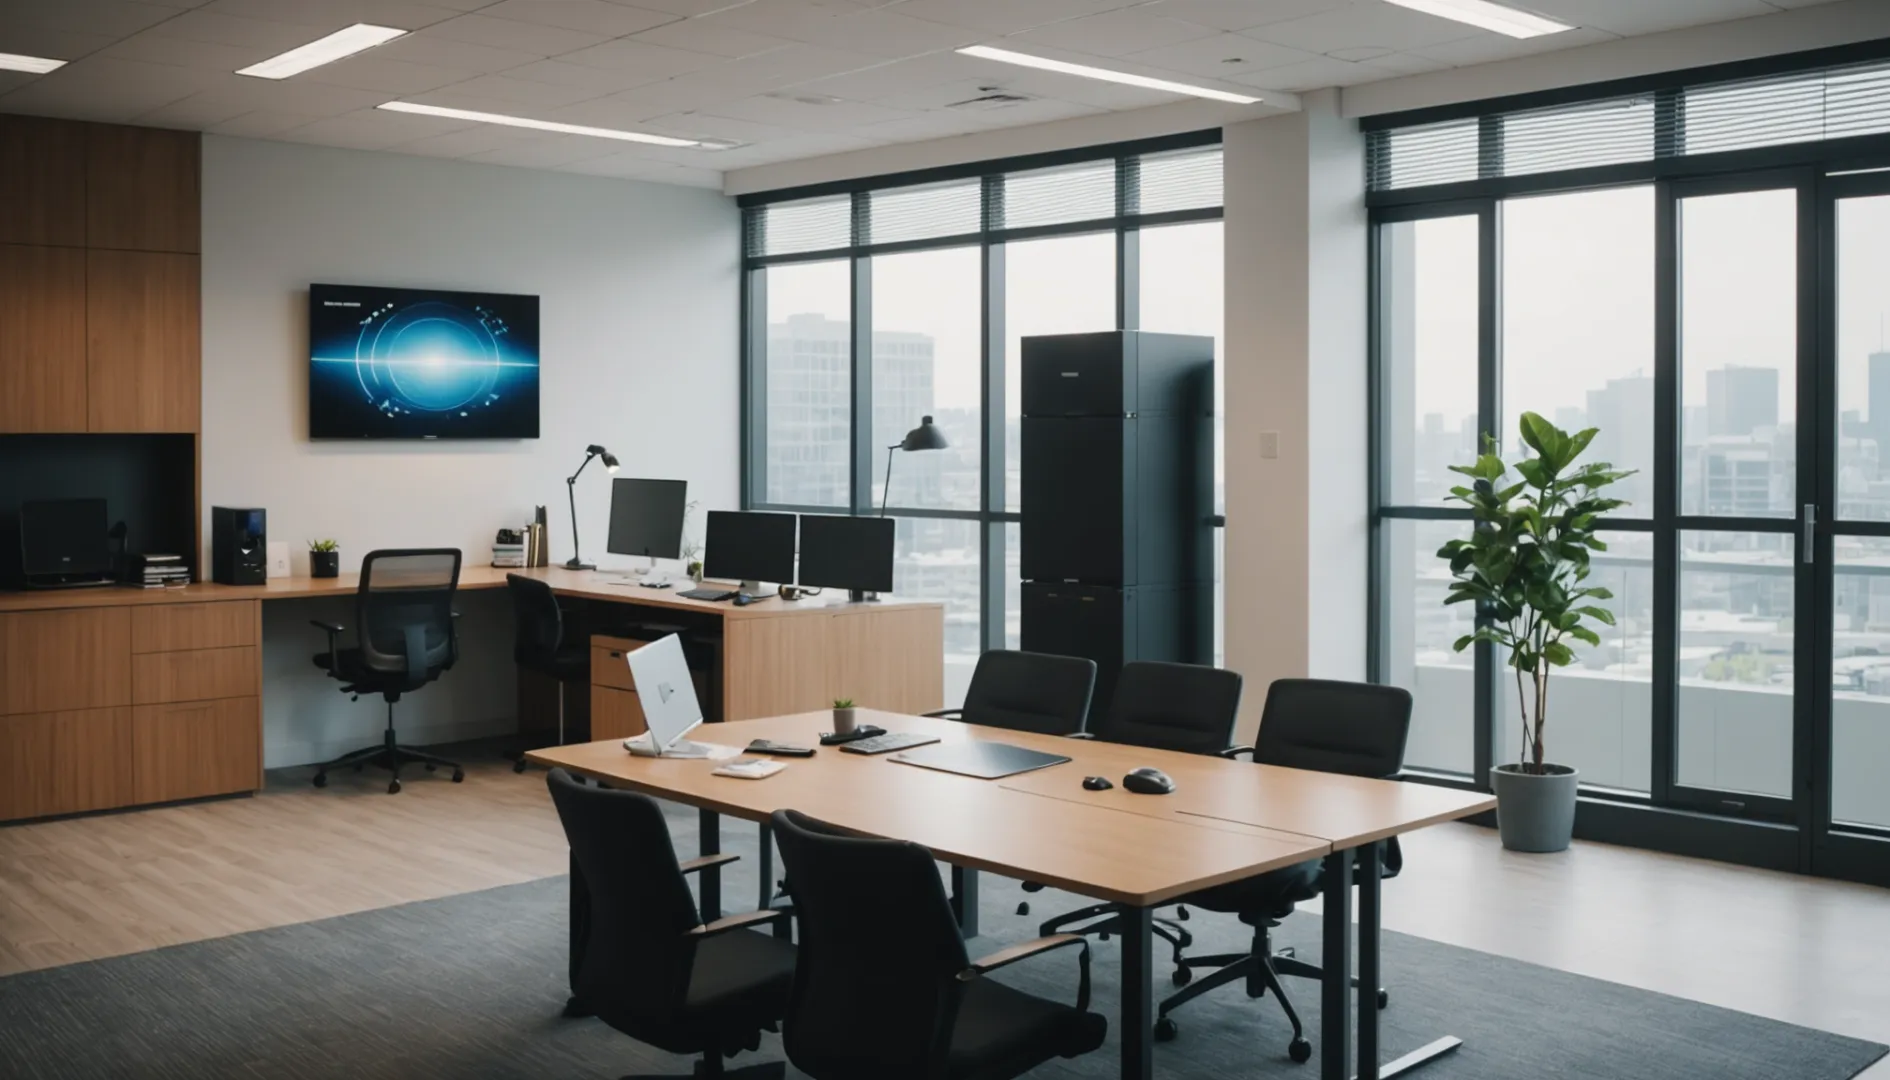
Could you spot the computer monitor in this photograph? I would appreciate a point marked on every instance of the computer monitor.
(668, 696)
(646, 517)
(750, 548)
(852, 553)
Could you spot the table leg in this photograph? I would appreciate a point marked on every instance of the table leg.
(965, 899)
(1335, 963)
(1370, 970)
(1138, 993)
(580, 933)
(766, 867)
(710, 840)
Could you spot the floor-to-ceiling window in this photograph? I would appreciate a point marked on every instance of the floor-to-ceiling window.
(875, 304)
(1695, 269)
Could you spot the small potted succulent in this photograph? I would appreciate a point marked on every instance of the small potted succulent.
(324, 558)
(844, 720)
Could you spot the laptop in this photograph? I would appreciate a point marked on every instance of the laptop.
(670, 708)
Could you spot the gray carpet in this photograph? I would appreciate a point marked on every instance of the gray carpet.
(471, 986)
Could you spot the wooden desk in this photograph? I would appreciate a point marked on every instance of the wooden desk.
(1134, 850)
(114, 697)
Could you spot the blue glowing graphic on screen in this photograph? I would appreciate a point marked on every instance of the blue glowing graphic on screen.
(419, 364)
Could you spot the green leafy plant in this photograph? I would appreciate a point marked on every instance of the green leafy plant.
(843, 703)
(1526, 559)
(323, 545)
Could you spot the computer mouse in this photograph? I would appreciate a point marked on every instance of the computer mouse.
(1096, 783)
(1147, 781)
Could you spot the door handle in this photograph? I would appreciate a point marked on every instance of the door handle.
(1807, 545)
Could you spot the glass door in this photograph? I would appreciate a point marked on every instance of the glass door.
(1851, 745)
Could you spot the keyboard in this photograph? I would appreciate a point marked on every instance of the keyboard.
(887, 743)
(707, 594)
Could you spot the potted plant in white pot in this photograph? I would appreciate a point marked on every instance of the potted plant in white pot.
(1524, 565)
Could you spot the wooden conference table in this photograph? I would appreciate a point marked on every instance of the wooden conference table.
(1226, 820)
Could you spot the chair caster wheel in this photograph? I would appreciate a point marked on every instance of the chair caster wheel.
(1166, 1030)
(519, 765)
(1183, 976)
(1102, 937)
(1023, 907)
(1299, 1050)
(1182, 915)
(1384, 998)
(459, 775)
(321, 779)
(393, 787)
(430, 766)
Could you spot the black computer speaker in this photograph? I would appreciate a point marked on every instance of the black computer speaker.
(238, 546)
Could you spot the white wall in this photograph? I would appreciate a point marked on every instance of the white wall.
(1295, 574)
(639, 295)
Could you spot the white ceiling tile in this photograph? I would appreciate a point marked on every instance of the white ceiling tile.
(1003, 16)
(1492, 47)
(547, 153)
(698, 125)
(1114, 33)
(1361, 25)
(114, 18)
(102, 88)
(1404, 63)
(816, 114)
(590, 16)
(461, 55)
(881, 33)
(560, 73)
(266, 37)
(13, 80)
(1315, 74)
(1039, 111)
(479, 138)
(918, 72)
(262, 124)
(938, 124)
(1220, 56)
(301, 96)
(154, 48)
(716, 39)
(1241, 14)
(1081, 91)
(632, 107)
(523, 91)
(330, 15)
(939, 95)
(57, 44)
(372, 71)
(623, 165)
(512, 34)
(646, 62)
(372, 129)
(198, 112)
(1640, 17)
(683, 7)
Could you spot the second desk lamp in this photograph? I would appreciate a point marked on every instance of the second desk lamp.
(570, 487)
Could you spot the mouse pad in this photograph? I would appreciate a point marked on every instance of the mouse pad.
(984, 760)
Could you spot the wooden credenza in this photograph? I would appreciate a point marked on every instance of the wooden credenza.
(110, 706)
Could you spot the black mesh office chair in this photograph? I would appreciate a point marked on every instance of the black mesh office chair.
(1329, 726)
(642, 961)
(1187, 708)
(1026, 691)
(404, 639)
(873, 1001)
(542, 642)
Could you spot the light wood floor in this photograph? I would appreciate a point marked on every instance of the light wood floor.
(1797, 949)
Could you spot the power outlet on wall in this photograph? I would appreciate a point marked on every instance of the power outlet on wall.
(1269, 444)
(278, 558)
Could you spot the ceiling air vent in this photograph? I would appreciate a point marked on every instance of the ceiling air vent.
(990, 97)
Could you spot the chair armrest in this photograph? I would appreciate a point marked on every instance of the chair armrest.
(1233, 752)
(334, 631)
(739, 922)
(332, 628)
(707, 861)
(946, 714)
(1028, 949)
(1090, 735)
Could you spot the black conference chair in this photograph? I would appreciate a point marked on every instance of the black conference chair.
(873, 1001)
(1026, 691)
(642, 961)
(1329, 726)
(404, 639)
(542, 642)
(1187, 708)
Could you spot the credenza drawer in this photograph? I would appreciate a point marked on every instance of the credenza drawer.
(55, 661)
(176, 627)
(193, 675)
(608, 667)
(192, 749)
(64, 762)
(616, 714)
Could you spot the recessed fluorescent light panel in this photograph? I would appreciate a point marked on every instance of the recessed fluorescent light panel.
(1489, 16)
(338, 45)
(538, 125)
(1044, 64)
(37, 65)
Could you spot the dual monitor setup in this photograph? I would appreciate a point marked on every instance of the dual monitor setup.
(836, 552)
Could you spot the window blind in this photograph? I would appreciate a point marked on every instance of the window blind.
(793, 227)
(1802, 107)
(925, 212)
(1177, 180)
(1059, 196)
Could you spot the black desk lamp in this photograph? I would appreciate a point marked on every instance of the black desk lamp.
(926, 436)
(570, 488)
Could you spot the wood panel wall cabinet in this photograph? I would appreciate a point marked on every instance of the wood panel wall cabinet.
(42, 337)
(143, 351)
(193, 749)
(54, 661)
(64, 762)
(42, 181)
(142, 189)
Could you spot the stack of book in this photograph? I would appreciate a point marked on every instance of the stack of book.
(157, 571)
(508, 555)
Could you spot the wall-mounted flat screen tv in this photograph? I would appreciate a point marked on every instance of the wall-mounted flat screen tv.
(421, 364)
